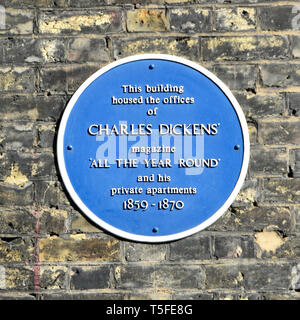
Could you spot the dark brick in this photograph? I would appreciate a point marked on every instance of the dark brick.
(24, 51)
(234, 247)
(190, 20)
(16, 196)
(179, 277)
(134, 276)
(52, 277)
(237, 77)
(244, 48)
(250, 219)
(280, 133)
(16, 136)
(280, 75)
(52, 221)
(295, 45)
(17, 221)
(88, 50)
(276, 18)
(180, 46)
(261, 105)
(268, 161)
(50, 193)
(251, 277)
(294, 164)
(62, 295)
(80, 22)
(19, 107)
(87, 3)
(281, 190)
(78, 74)
(145, 252)
(43, 166)
(192, 296)
(36, 3)
(294, 104)
(46, 136)
(85, 278)
(191, 248)
(53, 79)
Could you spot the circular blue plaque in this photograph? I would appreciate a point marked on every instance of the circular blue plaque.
(153, 148)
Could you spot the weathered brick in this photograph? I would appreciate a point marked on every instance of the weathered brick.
(185, 46)
(280, 75)
(261, 105)
(43, 166)
(66, 78)
(295, 46)
(52, 221)
(79, 249)
(235, 19)
(16, 249)
(17, 79)
(15, 163)
(50, 193)
(248, 194)
(237, 77)
(191, 248)
(275, 18)
(294, 164)
(192, 296)
(134, 276)
(32, 50)
(35, 3)
(14, 195)
(283, 132)
(294, 104)
(18, 22)
(281, 190)
(85, 278)
(268, 161)
(79, 22)
(46, 136)
(23, 107)
(52, 277)
(147, 20)
(62, 295)
(16, 136)
(81, 224)
(19, 278)
(78, 74)
(87, 50)
(148, 296)
(251, 219)
(234, 247)
(274, 245)
(244, 48)
(87, 3)
(254, 277)
(179, 277)
(145, 252)
(190, 20)
(17, 221)
(252, 130)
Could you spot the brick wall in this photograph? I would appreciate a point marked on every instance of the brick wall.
(49, 250)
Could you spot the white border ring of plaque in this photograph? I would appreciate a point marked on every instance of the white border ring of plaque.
(98, 220)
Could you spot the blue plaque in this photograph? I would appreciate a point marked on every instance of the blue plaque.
(153, 148)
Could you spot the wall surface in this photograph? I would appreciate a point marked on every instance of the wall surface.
(48, 249)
